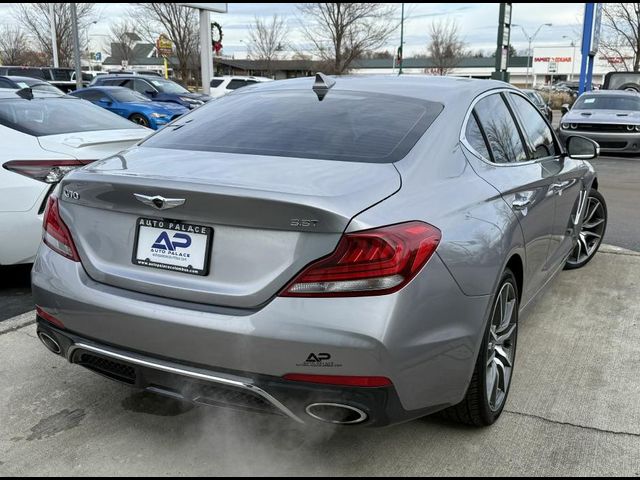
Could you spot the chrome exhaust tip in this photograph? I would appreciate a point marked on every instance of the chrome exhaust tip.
(50, 342)
(336, 413)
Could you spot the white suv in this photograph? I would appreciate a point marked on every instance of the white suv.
(220, 86)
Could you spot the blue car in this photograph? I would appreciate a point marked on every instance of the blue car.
(132, 105)
(156, 88)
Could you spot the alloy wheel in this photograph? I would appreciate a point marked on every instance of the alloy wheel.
(591, 232)
(501, 346)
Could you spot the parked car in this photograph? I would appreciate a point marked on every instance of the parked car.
(539, 102)
(629, 81)
(156, 88)
(609, 117)
(63, 78)
(12, 81)
(43, 138)
(132, 105)
(220, 86)
(350, 250)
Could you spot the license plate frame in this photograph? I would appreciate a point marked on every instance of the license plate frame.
(177, 226)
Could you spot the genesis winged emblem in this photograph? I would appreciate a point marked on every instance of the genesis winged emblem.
(159, 202)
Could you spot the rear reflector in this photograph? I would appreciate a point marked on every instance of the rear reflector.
(55, 233)
(370, 262)
(343, 380)
(49, 318)
(47, 171)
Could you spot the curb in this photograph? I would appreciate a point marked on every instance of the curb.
(18, 322)
(605, 248)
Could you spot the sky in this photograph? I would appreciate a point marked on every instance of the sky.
(477, 21)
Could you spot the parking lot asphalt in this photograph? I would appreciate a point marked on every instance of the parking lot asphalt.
(573, 408)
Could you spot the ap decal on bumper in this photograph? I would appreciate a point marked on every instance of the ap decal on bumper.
(318, 360)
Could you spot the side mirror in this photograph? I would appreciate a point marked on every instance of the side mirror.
(564, 108)
(582, 148)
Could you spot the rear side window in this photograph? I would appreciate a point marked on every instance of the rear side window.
(536, 129)
(27, 72)
(501, 130)
(235, 84)
(215, 83)
(347, 126)
(475, 137)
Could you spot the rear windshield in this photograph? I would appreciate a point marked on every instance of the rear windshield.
(616, 80)
(53, 116)
(347, 126)
(608, 102)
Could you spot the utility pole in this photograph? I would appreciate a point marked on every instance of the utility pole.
(54, 41)
(76, 45)
(400, 53)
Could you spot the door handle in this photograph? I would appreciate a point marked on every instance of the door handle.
(521, 204)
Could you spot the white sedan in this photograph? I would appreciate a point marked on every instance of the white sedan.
(43, 136)
(220, 86)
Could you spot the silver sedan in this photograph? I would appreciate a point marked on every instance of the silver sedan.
(348, 250)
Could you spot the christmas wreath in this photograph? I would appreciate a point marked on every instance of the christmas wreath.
(216, 37)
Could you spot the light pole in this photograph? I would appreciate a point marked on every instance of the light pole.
(400, 50)
(89, 44)
(530, 39)
(573, 58)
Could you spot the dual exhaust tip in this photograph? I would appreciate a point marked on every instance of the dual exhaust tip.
(336, 413)
(50, 342)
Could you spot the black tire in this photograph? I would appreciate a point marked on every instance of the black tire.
(575, 261)
(630, 87)
(139, 119)
(475, 408)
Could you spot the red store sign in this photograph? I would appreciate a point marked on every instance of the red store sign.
(552, 59)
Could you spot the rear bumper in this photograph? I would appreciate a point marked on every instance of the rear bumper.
(371, 406)
(424, 338)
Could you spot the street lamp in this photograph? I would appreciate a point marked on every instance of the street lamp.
(530, 39)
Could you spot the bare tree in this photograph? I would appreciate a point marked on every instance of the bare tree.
(620, 39)
(14, 45)
(267, 39)
(342, 32)
(446, 47)
(177, 22)
(34, 18)
(122, 39)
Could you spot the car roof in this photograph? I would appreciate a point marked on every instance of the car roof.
(612, 93)
(129, 75)
(440, 89)
(17, 78)
(11, 93)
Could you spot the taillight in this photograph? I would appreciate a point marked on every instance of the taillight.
(370, 262)
(56, 234)
(47, 171)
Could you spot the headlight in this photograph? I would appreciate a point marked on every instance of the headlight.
(630, 128)
(637, 128)
(159, 115)
(574, 126)
(565, 126)
(191, 100)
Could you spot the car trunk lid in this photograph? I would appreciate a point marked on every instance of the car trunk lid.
(270, 216)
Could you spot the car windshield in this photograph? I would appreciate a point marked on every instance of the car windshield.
(347, 126)
(608, 102)
(125, 95)
(167, 86)
(53, 116)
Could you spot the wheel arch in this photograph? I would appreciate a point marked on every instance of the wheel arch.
(516, 265)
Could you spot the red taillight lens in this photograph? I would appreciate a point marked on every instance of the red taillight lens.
(49, 318)
(371, 262)
(47, 171)
(343, 380)
(55, 233)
